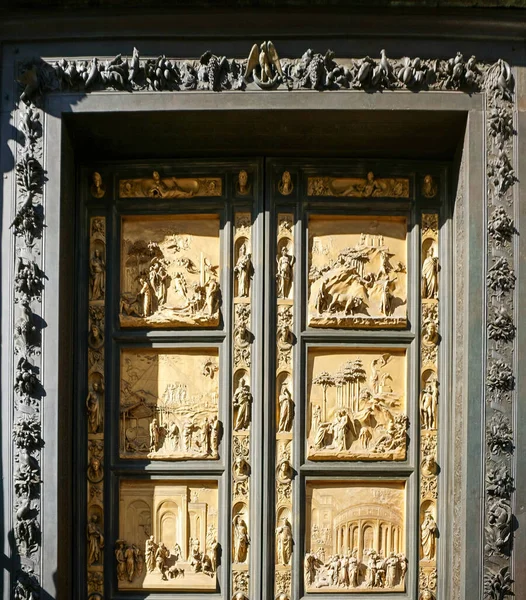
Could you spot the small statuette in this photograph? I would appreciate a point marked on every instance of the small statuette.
(98, 189)
(429, 187)
(285, 185)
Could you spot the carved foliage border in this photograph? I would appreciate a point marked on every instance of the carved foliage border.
(311, 71)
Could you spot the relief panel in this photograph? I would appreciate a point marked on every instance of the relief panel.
(355, 537)
(167, 535)
(356, 404)
(169, 404)
(357, 271)
(170, 271)
(169, 187)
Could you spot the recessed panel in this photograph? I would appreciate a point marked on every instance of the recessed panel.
(169, 403)
(356, 404)
(168, 538)
(170, 271)
(355, 537)
(357, 271)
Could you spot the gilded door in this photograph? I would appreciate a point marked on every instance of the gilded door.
(259, 394)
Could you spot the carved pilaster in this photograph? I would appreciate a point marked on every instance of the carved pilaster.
(241, 405)
(285, 404)
(429, 401)
(95, 400)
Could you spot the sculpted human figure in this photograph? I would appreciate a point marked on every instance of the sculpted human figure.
(284, 542)
(427, 410)
(97, 269)
(430, 275)
(341, 426)
(392, 570)
(242, 402)
(121, 560)
(215, 426)
(428, 533)
(93, 406)
(241, 540)
(95, 540)
(154, 435)
(243, 271)
(242, 183)
(98, 189)
(284, 273)
(286, 409)
(353, 569)
(212, 296)
(161, 555)
(285, 185)
(150, 550)
(146, 293)
(130, 562)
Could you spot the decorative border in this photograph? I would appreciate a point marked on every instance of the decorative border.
(285, 404)
(242, 363)
(311, 71)
(429, 401)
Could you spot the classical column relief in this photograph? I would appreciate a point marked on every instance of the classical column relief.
(355, 537)
(242, 398)
(95, 399)
(285, 400)
(429, 399)
(167, 535)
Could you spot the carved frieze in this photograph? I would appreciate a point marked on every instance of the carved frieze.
(167, 535)
(356, 404)
(357, 272)
(169, 404)
(170, 271)
(169, 187)
(355, 187)
(355, 537)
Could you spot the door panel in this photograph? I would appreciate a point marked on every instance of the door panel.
(259, 407)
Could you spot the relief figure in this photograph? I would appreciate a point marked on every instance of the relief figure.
(241, 540)
(428, 535)
(242, 403)
(94, 408)
(286, 409)
(95, 541)
(97, 269)
(243, 271)
(284, 542)
(430, 275)
(284, 273)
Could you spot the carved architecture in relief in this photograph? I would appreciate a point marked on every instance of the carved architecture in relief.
(368, 187)
(429, 403)
(169, 404)
(356, 411)
(169, 187)
(167, 535)
(170, 271)
(355, 538)
(357, 272)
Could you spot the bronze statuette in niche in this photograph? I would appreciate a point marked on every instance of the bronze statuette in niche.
(357, 271)
(168, 538)
(356, 404)
(356, 187)
(169, 404)
(355, 537)
(170, 271)
(169, 187)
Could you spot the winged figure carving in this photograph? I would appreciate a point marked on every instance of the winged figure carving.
(264, 65)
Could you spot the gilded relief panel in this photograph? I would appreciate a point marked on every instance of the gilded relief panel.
(356, 404)
(357, 271)
(167, 536)
(355, 537)
(170, 271)
(169, 404)
(169, 187)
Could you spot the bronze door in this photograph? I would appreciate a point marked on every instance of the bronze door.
(261, 384)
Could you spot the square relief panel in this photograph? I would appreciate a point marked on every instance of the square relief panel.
(357, 271)
(167, 535)
(355, 536)
(169, 404)
(356, 404)
(170, 271)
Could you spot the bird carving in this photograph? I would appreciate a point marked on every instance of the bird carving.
(265, 59)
